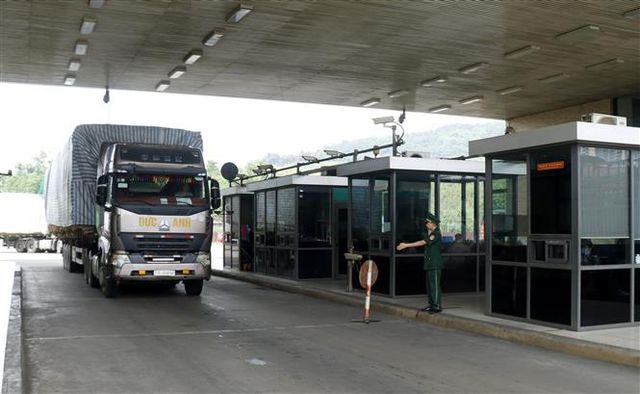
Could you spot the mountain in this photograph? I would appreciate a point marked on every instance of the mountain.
(446, 141)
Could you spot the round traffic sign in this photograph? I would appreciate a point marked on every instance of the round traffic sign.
(364, 273)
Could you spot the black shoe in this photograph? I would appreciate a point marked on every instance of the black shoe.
(426, 309)
(434, 310)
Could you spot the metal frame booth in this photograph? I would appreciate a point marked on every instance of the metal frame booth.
(564, 225)
(294, 225)
(388, 199)
(238, 222)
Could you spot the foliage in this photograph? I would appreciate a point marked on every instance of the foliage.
(27, 177)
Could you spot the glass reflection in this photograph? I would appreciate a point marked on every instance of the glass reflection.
(314, 213)
(599, 251)
(605, 297)
(360, 214)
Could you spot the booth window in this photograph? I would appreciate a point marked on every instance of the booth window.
(260, 218)
(414, 197)
(286, 223)
(314, 207)
(605, 296)
(551, 191)
(271, 217)
(360, 214)
(457, 213)
(380, 210)
(509, 209)
(636, 201)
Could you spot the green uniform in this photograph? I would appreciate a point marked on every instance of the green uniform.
(433, 266)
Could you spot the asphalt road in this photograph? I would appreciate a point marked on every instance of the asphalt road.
(241, 338)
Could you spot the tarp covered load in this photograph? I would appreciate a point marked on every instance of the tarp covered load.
(22, 213)
(70, 186)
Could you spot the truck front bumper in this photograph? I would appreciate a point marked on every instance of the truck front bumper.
(162, 272)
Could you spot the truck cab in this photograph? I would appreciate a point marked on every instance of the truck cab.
(153, 217)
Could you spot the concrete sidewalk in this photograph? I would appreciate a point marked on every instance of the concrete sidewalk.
(465, 312)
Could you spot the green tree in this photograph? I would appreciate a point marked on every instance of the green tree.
(27, 177)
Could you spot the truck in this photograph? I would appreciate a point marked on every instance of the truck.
(133, 203)
(23, 225)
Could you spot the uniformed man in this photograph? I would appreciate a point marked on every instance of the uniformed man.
(432, 261)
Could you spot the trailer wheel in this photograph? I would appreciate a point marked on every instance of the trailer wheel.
(32, 247)
(20, 246)
(193, 287)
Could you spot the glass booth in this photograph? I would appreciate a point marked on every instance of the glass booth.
(564, 225)
(238, 229)
(389, 197)
(295, 234)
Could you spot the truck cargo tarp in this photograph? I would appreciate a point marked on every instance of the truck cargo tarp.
(22, 213)
(70, 187)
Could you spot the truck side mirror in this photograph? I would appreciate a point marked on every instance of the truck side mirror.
(215, 194)
(101, 190)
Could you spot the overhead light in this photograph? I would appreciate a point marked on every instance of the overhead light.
(310, 159)
(473, 67)
(162, 85)
(333, 153)
(81, 47)
(74, 65)
(430, 82)
(582, 31)
(635, 13)
(439, 108)
(238, 13)
(192, 56)
(471, 100)
(213, 37)
(398, 93)
(521, 52)
(96, 3)
(177, 72)
(87, 26)
(371, 102)
(509, 90)
(606, 64)
(69, 79)
(554, 78)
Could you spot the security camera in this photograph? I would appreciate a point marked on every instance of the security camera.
(383, 119)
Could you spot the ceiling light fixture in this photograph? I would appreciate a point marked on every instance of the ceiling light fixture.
(431, 82)
(554, 78)
(192, 56)
(239, 13)
(371, 102)
(471, 100)
(606, 64)
(81, 47)
(473, 67)
(520, 52)
(87, 26)
(213, 37)
(74, 65)
(177, 72)
(69, 79)
(632, 14)
(96, 4)
(509, 90)
(439, 108)
(398, 93)
(162, 85)
(580, 32)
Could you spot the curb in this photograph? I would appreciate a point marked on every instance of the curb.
(576, 347)
(12, 381)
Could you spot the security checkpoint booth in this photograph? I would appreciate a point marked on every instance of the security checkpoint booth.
(389, 198)
(296, 233)
(563, 225)
(238, 227)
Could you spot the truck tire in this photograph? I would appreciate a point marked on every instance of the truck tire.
(32, 246)
(108, 285)
(93, 280)
(20, 246)
(193, 287)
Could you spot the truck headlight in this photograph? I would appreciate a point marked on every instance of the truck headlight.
(120, 259)
(204, 259)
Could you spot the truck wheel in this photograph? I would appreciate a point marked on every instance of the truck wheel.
(193, 287)
(108, 285)
(20, 246)
(93, 280)
(32, 247)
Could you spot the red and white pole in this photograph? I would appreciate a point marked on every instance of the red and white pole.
(367, 300)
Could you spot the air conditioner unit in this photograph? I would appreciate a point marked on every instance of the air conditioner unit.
(605, 119)
(416, 154)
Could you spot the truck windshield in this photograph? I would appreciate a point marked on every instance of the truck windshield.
(160, 189)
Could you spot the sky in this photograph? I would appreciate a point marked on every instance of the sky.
(38, 118)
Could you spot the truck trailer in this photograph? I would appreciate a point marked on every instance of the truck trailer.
(133, 203)
(23, 225)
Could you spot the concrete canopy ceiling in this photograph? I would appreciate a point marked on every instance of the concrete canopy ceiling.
(337, 52)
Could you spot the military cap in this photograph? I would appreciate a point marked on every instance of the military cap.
(431, 218)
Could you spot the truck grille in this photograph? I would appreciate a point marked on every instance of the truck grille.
(164, 242)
